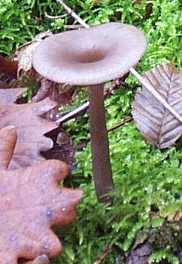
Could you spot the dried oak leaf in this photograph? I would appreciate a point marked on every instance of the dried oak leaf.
(29, 124)
(154, 121)
(31, 202)
(8, 139)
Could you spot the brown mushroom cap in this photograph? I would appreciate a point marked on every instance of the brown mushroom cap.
(89, 56)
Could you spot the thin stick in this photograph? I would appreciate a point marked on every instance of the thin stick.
(125, 120)
(73, 113)
(73, 14)
(105, 253)
(147, 85)
(71, 27)
(54, 17)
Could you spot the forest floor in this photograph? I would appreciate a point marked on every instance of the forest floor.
(144, 221)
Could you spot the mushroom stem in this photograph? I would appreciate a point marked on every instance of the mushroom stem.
(102, 172)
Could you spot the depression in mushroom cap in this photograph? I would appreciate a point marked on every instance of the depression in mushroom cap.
(89, 56)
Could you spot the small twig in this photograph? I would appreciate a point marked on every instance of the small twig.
(73, 14)
(73, 113)
(70, 27)
(105, 253)
(126, 119)
(54, 17)
(147, 85)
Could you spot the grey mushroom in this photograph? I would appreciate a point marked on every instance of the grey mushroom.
(90, 57)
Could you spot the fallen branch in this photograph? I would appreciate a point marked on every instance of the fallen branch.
(105, 253)
(54, 17)
(73, 14)
(145, 83)
(73, 113)
(125, 120)
(71, 27)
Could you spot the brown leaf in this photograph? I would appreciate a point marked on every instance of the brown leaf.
(9, 96)
(8, 66)
(59, 93)
(31, 202)
(63, 148)
(30, 126)
(8, 72)
(154, 121)
(25, 57)
(8, 139)
(63, 94)
(43, 91)
(24, 54)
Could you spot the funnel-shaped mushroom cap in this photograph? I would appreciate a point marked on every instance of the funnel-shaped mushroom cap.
(89, 56)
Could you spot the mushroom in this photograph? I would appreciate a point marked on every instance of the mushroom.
(90, 57)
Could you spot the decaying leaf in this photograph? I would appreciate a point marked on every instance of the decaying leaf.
(43, 91)
(155, 122)
(31, 202)
(8, 66)
(8, 140)
(9, 96)
(30, 126)
(39, 260)
(61, 94)
(25, 57)
(24, 54)
(63, 148)
(140, 254)
(8, 72)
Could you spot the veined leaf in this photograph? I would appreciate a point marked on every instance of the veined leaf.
(31, 203)
(154, 121)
